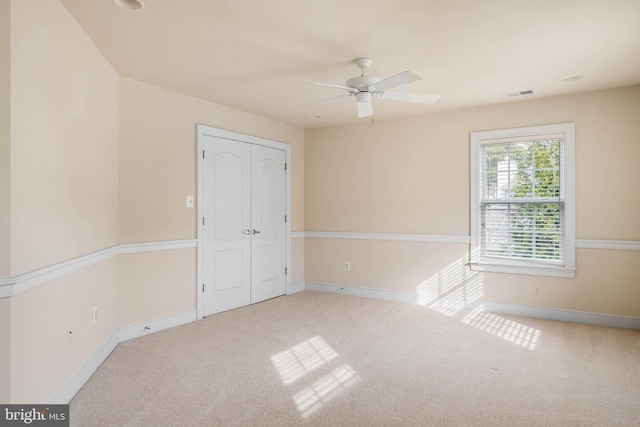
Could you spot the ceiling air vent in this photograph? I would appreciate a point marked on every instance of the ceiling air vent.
(521, 93)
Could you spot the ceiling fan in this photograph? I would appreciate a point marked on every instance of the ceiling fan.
(364, 88)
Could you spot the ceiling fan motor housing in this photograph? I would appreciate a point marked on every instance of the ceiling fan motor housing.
(362, 83)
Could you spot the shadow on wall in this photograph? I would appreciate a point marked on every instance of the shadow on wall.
(455, 288)
(451, 289)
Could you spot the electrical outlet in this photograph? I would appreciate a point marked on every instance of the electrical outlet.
(95, 314)
(347, 266)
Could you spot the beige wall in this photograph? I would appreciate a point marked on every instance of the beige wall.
(96, 160)
(5, 350)
(64, 197)
(606, 282)
(5, 140)
(382, 265)
(42, 359)
(298, 261)
(388, 178)
(64, 139)
(157, 171)
(156, 285)
(69, 155)
(5, 196)
(412, 176)
(158, 158)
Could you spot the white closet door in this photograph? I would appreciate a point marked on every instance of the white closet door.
(244, 230)
(268, 208)
(227, 223)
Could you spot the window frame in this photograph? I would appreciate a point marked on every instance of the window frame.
(518, 266)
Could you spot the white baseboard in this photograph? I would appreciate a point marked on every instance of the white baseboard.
(126, 333)
(596, 319)
(297, 288)
(145, 328)
(364, 292)
(66, 393)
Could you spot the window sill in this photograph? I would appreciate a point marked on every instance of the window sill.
(564, 272)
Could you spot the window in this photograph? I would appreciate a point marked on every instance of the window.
(523, 200)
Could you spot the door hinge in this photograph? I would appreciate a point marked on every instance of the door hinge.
(203, 287)
(285, 218)
(285, 271)
(285, 166)
(203, 154)
(202, 220)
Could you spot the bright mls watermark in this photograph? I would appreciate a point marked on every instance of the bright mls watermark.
(34, 415)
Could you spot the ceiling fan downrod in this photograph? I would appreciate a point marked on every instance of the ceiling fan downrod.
(363, 64)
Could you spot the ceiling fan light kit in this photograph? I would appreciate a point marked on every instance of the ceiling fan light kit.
(363, 97)
(364, 88)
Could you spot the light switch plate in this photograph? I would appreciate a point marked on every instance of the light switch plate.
(189, 201)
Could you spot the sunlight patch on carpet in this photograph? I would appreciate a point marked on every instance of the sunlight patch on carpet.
(299, 360)
(509, 330)
(310, 399)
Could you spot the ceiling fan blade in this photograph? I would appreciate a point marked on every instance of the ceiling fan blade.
(422, 98)
(365, 109)
(351, 90)
(322, 100)
(401, 79)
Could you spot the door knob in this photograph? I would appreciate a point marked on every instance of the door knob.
(256, 231)
(247, 232)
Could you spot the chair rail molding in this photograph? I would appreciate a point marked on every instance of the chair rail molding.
(15, 285)
(11, 286)
(433, 238)
(629, 245)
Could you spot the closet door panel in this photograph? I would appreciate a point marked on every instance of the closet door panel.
(226, 239)
(268, 208)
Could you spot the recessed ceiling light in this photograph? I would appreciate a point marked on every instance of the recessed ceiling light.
(129, 4)
(314, 117)
(572, 78)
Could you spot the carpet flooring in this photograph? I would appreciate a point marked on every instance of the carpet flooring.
(321, 359)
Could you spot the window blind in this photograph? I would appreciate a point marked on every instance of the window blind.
(521, 204)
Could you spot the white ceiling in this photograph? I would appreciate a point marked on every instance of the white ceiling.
(253, 55)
